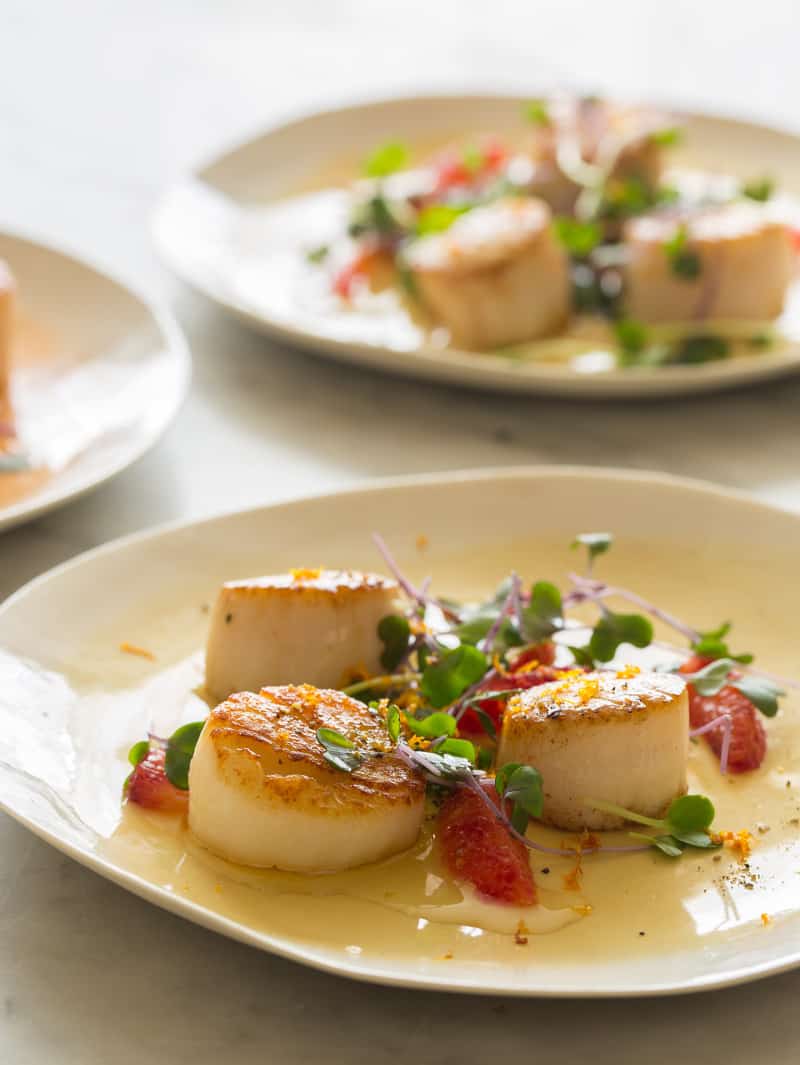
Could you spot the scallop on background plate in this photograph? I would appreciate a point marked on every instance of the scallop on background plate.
(239, 229)
(97, 375)
(72, 703)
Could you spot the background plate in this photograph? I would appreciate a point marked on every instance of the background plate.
(71, 703)
(211, 230)
(99, 375)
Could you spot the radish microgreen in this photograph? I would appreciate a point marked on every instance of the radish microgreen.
(444, 680)
(761, 691)
(521, 785)
(340, 752)
(395, 632)
(179, 753)
(687, 823)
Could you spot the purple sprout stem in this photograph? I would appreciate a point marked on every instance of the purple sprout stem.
(419, 596)
(596, 590)
(726, 721)
(507, 608)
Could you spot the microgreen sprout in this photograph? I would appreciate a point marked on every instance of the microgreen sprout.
(596, 543)
(536, 111)
(179, 753)
(759, 189)
(521, 785)
(683, 260)
(395, 633)
(339, 750)
(386, 159)
(452, 674)
(687, 823)
(760, 690)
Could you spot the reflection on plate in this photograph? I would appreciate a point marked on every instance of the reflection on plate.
(96, 376)
(240, 229)
(61, 774)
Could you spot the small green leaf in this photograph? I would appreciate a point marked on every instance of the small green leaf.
(544, 613)
(582, 656)
(536, 111)
(668, 845)
(438, 217)
(373, 216)
(690, 813)
(613, 629)
(386, 159)
(459, 748)
(712, 644)
(503, 775)
(711, 678)
(139, 752)
(701, 840)
(760, 189)
(597, 543)
(485, 758)
(456, 670)
(684, 262)
(475, 628)
(432, 726)
(180, 749)
(339, 750)
(394, 632)
(668, 137)
(631, 336)
(487, 723)
(761, 692)
(329, 737)
(318, 255)
(699, 348)
(579, 238)
(393, 723)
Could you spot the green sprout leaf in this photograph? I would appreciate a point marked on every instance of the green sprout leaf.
(443, 681)
(760, 189)
(459, 748)
(536, 111)
(373, 216)
(544, 613)
(690, 813)
(393, 723)
(485, 758)
(687, 823)
(432, 726)
(712, 644)
(319, 254)
(340, 752)
(394, 631)
(386, 159)
(699, 348)
(475, 628)
(596, 543)
(614, 629)
(582, 656)
(438, 217)
(579, 238)
(139, 752)
(522, 786)
(668, 137)
(761, 692)
(180, 749)
(631, 337)
(711, 678)
(683, 261)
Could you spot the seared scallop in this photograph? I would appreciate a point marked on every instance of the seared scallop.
(740, 263)
(310, 626)
(616, 736)
(6, 330)
(497, 276)
(262, 793)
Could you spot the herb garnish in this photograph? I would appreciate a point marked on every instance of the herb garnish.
(395, 633)
(520, 785)
(759, 189)
(319, 254)
(761, 691)
(684, 262)
(536, 111)
(444, 680)
(579, 238)
(687, 823)
(386, 159)
(339, 750)
(179, 753)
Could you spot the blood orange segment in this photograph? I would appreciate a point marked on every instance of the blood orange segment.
(477, 849)
(148, 786)
(748, 736)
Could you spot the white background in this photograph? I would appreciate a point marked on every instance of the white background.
(101, 104)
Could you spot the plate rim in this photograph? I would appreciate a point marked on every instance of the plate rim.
(423, 363)
(279, 945)
(175, 344)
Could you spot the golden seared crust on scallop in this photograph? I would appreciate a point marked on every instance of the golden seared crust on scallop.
(497, 276)
(262, 793)
(315, 626)
(621, 736)
(745, 261)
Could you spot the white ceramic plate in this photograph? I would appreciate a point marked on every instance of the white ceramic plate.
(220, 231)
(99, 373)
(71, 703)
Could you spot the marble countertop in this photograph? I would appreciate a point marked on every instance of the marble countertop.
(101, 105)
